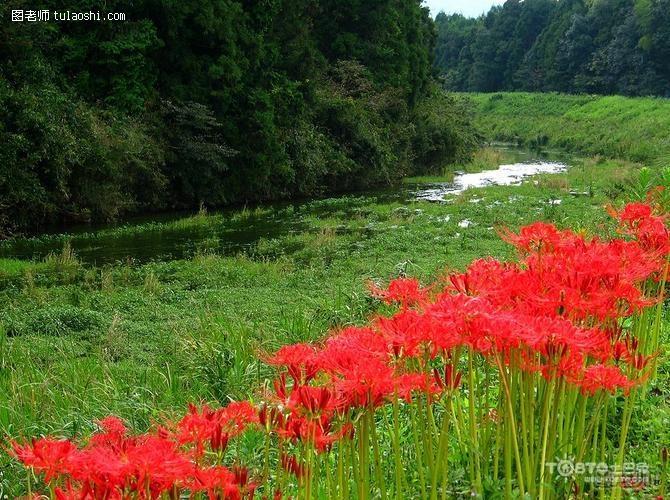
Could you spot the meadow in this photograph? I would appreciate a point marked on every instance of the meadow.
(628, 128)
(141, 340)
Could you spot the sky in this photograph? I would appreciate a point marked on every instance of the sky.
(471, 8)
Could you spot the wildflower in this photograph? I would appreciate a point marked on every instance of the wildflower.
(351, 347)
(113, 433)
(539, 237)
(314, 401)
(143, 463)
(633, 213)
(215, 427)
(405, 332)
(237, 416)
(450, 380)
(637, 220)
(365, 384)
(404, 291)
(46, 455)
(243, 480)
(298, 360)
(604, 378)
(217, 482)
(202, 425)
(156, 464)
(290, 463)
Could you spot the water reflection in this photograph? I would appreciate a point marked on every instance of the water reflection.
(505, 175)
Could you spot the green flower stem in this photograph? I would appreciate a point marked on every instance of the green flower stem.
(511, 419)
(399, 468)
(475, 467)
(419, 450)
(545, 436)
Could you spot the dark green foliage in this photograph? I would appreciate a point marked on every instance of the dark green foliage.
(197, 156)
(603, 47)
(213, 102)
(438, 135)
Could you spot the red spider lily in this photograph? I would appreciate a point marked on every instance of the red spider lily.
(652, 234)
(586, 280)
(298, 360)
(482, 274)
(145, 463)
(202, 426)
(70, 492)
(314, 401)
(405, 332)
(215, 427)
(604, 378)
(318, 432)
(408, 384)
(291, 464)
(221, 482)
(113, 426)
(637, 219)
(351, 347)
(404, 291)
(237, 416)
(540, 237)
(366, 384)
(554, 315)
(113, 433)
(46, 455)
(156, 463)
(450, 380)
(374, 382)
(633, 213)
(217, 482)
(270, 417)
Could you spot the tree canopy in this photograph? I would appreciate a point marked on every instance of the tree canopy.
(578, 46)
(214, 102)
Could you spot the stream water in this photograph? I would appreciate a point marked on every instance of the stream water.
(160, 238)
(504, 175)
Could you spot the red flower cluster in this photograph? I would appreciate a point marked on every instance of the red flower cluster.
(556, 312)
(214, 427)
(405, 291)
(114, 464)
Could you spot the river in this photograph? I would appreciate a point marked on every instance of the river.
(176, 235)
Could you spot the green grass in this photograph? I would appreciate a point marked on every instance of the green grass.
(80, 342)
(634, 129)
(485, 158)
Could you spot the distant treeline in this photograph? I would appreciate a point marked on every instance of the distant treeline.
(577, 46)
(214, 102)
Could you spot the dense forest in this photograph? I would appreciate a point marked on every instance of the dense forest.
(214, 102)
(577, 46)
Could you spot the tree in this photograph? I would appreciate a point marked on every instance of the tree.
(604, 46)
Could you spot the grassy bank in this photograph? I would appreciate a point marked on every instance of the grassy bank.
(141, 340)
(635, 129)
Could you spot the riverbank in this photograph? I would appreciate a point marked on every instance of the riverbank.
(634, 129)
(140, 340)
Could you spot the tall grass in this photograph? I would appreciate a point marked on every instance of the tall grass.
(634, 129)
